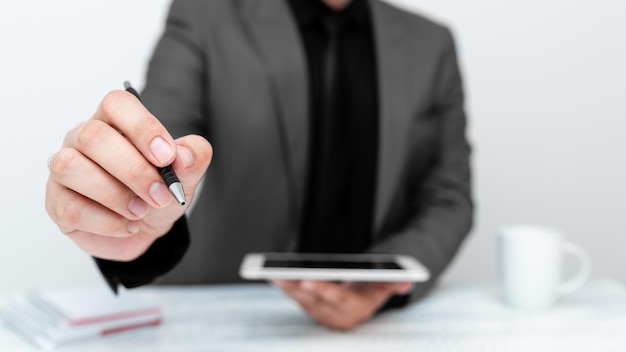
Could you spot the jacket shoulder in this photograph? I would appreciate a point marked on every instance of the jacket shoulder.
(208, 11)
(414, 22)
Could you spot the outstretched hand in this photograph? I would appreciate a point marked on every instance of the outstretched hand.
(104, 191)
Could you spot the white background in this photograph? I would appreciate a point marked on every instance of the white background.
(545, 87)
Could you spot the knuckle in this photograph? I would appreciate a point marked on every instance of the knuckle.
(138, 171)
(147, 125)
(62, 162)
(110, 103)
(69, 213)
(90, 132)
(69, 136)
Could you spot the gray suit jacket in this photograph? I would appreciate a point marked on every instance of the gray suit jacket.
(234, 71)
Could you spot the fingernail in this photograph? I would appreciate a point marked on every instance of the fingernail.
(133, 227)
(160, 194)
(138, 207)
(185, 156)
(161, 150)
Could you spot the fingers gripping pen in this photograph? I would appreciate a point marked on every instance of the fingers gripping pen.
(167, 173)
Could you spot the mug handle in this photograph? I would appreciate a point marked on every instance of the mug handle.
(583, 275)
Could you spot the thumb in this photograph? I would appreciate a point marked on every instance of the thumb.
(193, 156)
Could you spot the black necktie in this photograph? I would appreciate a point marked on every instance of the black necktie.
(332, 27)
(326, 226)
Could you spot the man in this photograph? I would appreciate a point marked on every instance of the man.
(338, 126)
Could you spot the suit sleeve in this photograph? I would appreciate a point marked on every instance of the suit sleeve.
(161, 257)
(441, 204)
(174, 93)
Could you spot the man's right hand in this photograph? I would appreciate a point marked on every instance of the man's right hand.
(104, 190)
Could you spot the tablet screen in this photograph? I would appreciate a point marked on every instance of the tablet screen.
(325, 264)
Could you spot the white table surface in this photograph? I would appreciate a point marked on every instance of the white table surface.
(452, 318)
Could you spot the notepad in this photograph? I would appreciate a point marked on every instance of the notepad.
(51, 318)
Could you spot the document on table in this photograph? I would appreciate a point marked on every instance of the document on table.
(453, 318)
(56, 317)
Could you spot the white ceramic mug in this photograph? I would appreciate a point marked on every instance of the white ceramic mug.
(530, 259)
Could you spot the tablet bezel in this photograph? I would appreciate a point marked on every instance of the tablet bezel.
(252, 268)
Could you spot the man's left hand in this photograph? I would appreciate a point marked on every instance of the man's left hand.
(341, 306)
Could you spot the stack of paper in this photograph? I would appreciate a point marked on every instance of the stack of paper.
(55, 317)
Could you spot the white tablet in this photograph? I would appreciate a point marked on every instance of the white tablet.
(333, 267)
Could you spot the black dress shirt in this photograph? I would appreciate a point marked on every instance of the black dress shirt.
(339, 202)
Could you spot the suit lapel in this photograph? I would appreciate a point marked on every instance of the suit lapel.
(274, 31)
(392, 58)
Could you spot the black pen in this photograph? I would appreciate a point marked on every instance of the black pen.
(167, 173)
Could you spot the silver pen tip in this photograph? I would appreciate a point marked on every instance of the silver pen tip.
(177, 190)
